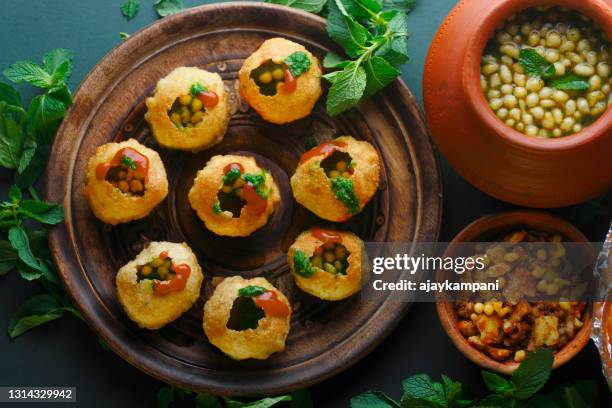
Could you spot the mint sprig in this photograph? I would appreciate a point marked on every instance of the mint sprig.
(26, 134)
(374, 36)
(520, 390)
(537, 66)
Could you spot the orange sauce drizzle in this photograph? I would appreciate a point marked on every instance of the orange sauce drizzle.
(326, 235)
(175, 284)
(141, 161)
(209, 99)
(255, 204)
(271, 305)
(290, 83)
(326, 149)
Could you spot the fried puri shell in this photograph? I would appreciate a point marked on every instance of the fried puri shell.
(312, 188)
(322, 284)
(203, 196)
(207, 132)
(282, 107)
(112, 206)
(141, 303)
(259, 343)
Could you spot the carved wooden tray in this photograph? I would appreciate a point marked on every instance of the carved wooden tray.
(325, 337)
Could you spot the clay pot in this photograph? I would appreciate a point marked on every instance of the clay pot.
(495, 158)
(489, 228)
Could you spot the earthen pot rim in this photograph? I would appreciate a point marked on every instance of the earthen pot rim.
(598, 10)
(478, 229)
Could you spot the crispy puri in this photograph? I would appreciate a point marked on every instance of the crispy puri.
(142, 304)
(205, 133)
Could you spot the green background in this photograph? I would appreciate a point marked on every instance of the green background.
(67, 353)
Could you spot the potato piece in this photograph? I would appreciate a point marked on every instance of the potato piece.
(545, 332)
(489, 328)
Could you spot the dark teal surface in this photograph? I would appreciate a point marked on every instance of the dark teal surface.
(67, 353)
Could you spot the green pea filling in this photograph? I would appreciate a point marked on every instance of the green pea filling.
(331, 257)
(160, 269)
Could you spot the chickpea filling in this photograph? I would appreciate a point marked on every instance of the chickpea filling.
(159, 268)
(331, 257)
(126, 171)
(338, 164)
(127, 180)
(269, 76)
(573, 88)
(507, 331)
(245, 314)
(188, 110)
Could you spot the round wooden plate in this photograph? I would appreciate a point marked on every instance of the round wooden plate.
(325, 337)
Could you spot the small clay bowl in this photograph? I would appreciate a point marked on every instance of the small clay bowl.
(498, 160)
(488, 228)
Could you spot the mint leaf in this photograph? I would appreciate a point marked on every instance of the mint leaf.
(533, 373)
(302, 265)
(570, 82)
(15, 194)
(345, 30)
(41, 211)
(55, 59)
(168, 7)
(11, 140)
(19, 241)
(37, 310)
(207, 401)
(332, 60)
(44, 115)
(347, 89)
(128, 162)
(344, 191)
(312, 6)
(535, 64)
(362, 9)
(297, 63)
(395, 51)
(124, 36)
(27, 153)
(197, 88)
(262, 403)
(27, 71)
(232, 175)
(251, 291)
(301, 399)
(10, 95)
(130, 8)
(379, 74)
(258, 183)
(496, 383)
(165, 397)
(497, 401)
(421, 387)
(373, 399)
(35, 168)
(405, 6)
